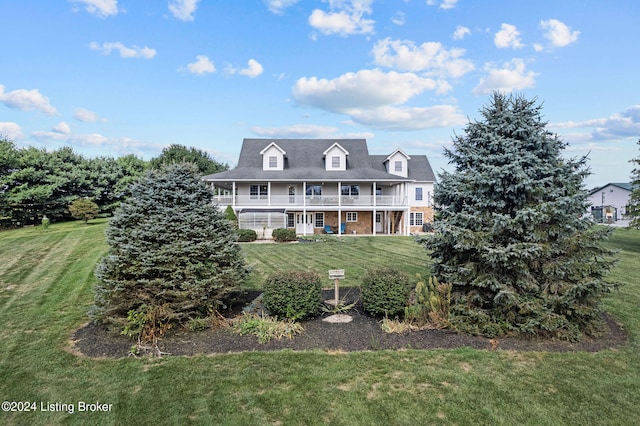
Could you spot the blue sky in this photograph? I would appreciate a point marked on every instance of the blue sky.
(111, 77)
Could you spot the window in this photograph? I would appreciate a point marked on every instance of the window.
(352, 216)
(415, 218)
(314, 190)
(258, 191)
(319, 220)
(273, 162)
(351, 190)
(335, 162)
(398, 166)
(418, 194)
(291, 220)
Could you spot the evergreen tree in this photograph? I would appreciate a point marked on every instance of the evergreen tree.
(176, 153)
(170, 250)
(634, 203)
(513, 237)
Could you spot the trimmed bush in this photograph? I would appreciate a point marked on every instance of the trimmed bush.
(385, 291)
(283, 235)
(247, 235)
(293, 294)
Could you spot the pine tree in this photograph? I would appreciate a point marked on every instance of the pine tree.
(634, 202)
(511, 236)
(170, 250)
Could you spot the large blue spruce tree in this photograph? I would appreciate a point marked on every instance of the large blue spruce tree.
(512, 234)
(170, 251)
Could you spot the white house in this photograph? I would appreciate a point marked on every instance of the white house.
(612, 199)
(326, 186)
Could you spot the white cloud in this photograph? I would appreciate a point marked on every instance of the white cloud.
(372, 98)
(87, 116)
(558, 33)
(100, 8)
(619, 125)
(345, 18)
(461, 32)
(444, 4)
(125, 52)
(409, 118)
(511, 76)
(430, 57)
(10, 130)
(121, 145)
(508, 36)
(296, 131)
(201, 66)
(278, 6)
(183, 9)
(398, 18)
(62, 128)
(363, 89)
(254, 69)
(27, 100)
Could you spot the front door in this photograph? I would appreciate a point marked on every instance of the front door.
(378, 222)
(304, 223)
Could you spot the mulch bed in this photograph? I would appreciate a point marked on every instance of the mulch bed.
(363, 333)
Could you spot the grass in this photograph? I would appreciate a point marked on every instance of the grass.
(46, 278)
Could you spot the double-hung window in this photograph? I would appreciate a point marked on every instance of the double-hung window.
(352, 216)
(273, 162)
(258, 192)
(419, 193)
(416, 218)
(319, 220)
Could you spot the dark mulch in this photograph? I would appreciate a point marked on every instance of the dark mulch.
(362, 334)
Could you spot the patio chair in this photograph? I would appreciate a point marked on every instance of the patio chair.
(343, 228)
(328, 230)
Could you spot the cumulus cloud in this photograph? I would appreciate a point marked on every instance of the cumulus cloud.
(254, 69)
(511, 76)
(125, 52)
(346, 17)
(409, 118)
(11, 131)
(374, 98)
(87, 116)
(461, 32)
(558, 33)
(62, 128)
(619, 125)
(100, 8)
(278, 6)
(26, 100)
(444, 4)
(508, 36)
(201, 66)
(183, 9)
(429, 57)
(363, 89)
(120, 145)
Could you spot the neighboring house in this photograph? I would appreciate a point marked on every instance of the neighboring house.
(610, 202)
(307, 184)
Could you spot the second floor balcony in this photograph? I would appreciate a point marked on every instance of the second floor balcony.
(266, 200)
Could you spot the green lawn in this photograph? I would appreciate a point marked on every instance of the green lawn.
(45, 291)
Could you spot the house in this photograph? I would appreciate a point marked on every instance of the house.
(610, 203)
(326, 186)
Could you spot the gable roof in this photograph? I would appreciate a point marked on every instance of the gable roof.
(275, 145)
(622, 185)
(305, 162)
(326, 151)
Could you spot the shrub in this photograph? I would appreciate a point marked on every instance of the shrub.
(385, 291)
(282, 235)
(247, 235)
(230, 215)
(430, 301)
(84, 209)
(265, 328)
(293, 294)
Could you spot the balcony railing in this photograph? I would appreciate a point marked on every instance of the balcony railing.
(313, 201)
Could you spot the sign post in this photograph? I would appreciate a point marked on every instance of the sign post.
(336, 275)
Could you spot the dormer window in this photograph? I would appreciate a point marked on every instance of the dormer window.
(398, 163)
(273, 157)
(335, 158)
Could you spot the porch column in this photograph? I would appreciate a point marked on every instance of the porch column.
(373, 219)
(269, 193)
(339, 208)
(233, 193)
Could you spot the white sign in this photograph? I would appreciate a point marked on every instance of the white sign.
(336, 274)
